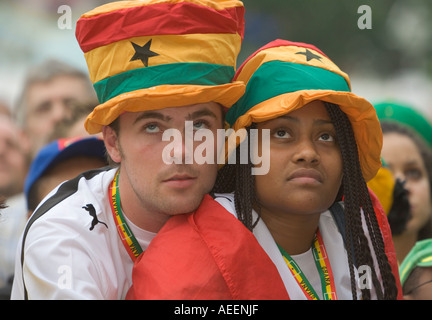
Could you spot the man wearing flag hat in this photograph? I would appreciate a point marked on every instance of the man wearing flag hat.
(155, 65)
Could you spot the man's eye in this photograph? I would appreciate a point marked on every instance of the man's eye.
(43, 108)
(200, 125)
(152, 128)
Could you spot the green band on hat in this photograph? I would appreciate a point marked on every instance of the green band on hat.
(167, 74)
(274, 78)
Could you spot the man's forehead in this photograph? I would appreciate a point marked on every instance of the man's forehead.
(189, 112)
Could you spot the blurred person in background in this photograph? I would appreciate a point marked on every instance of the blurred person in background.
(407, 151)
(68, 152)
(59, 161)
(4, 109)
(13, 169)
(49, 92)
(416, 272)
(74, 125)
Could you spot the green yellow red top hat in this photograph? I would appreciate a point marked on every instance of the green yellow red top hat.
(283, 76)
(154, 54)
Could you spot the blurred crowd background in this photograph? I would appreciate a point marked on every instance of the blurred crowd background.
(389, 61)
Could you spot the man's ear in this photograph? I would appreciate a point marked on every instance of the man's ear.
(111, 143)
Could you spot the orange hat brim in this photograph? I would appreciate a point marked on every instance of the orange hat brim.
(160, 97)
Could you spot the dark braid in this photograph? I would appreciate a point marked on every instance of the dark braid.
(357, 198)
(350, 193)
(238, 178)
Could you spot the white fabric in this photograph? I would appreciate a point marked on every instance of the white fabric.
(306, 263)
(64, 259)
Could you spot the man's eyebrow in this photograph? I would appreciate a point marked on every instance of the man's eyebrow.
(152, 115)
(201, 113)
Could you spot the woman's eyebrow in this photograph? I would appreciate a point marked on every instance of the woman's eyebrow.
(323, 121)
(288, 117)
(318, 121)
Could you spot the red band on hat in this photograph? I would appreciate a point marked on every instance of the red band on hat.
(184, 18)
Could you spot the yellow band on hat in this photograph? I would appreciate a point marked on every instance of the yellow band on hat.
(112, 59)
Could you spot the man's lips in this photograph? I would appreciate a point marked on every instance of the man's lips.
(180, 177)
(306, 176)
(180, 180)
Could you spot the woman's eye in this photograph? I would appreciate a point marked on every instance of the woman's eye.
(152, 128)
(326, 137)
(282, 134)
(413, 174)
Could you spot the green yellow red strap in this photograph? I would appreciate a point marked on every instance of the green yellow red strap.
(322, 263)
(127, 237)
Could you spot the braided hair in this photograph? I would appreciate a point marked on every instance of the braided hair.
(237, 178)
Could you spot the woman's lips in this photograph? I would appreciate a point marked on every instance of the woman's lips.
(306, 176)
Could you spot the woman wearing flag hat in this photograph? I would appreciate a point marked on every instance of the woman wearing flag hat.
(323, 234)
(312, 212)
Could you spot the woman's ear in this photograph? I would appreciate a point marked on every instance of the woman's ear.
(111, 143)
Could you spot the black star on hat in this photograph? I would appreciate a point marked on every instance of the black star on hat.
(310, 55)
(143, 53)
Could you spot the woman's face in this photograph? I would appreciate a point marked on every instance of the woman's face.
(305, 162)
(405, 161)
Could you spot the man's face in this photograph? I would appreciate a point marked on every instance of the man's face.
(50, 102)
(148, 182)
